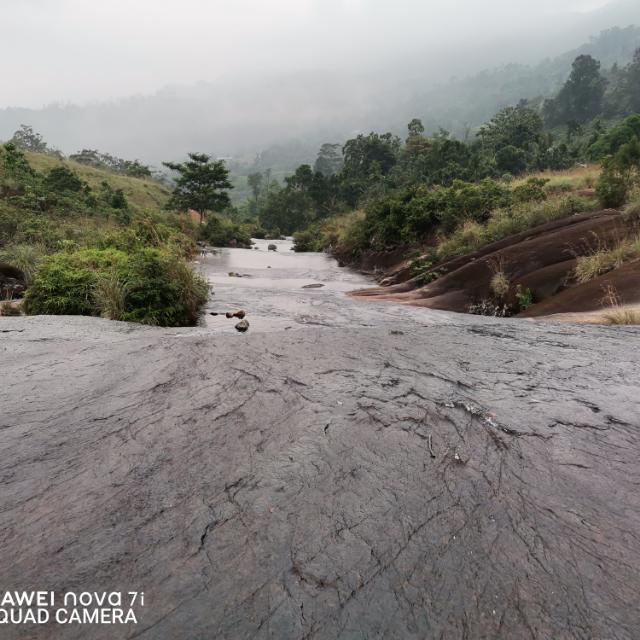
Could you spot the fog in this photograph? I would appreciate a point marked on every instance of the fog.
(152, 77)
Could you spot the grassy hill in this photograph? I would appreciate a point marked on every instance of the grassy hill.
(79, 240)
(143, 193)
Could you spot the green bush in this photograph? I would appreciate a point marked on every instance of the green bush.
(311, 239)
(609, 142)
(64, 283)
(161, 290)
(149, 286)
(533, 190)
(221, 232)
(524, 297)
(61, 179)
(612, 188)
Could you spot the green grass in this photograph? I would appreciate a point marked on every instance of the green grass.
(471, 236)
(142, 193)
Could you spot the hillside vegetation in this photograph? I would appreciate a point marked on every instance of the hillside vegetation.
(82, 240)
(439, 199)
(141, 193)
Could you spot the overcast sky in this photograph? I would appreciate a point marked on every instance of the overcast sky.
(81, 50)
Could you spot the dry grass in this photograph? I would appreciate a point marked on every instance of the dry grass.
(499, 283)
(601, 260)
(10, 308)
(566, 180)
(617, 313)
(622, 316)
(632, 211)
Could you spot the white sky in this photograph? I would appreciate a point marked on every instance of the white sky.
(84, 50)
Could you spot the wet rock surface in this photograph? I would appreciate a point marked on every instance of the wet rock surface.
(472, 479)
(541, 259)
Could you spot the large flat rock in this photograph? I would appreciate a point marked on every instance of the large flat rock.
(474, 479)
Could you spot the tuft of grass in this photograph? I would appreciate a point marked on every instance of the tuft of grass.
(632, 210)
(110, 295)
(622, 316)
(604, 259)
(500, 284)
(599, 262)
(617, 313)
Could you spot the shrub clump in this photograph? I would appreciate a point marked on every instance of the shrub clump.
(149, 286)
(612, 188)
(222, 232)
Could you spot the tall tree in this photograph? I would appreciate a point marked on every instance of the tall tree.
(416, 128)
(580, 99)
(29, 140)
(362, 152)
(201, 185)
(519, 127)
(632, 83)
(255, 184)
(329, 160)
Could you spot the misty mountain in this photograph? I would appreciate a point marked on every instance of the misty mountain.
(282, 117)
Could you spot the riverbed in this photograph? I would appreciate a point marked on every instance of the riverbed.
(283, 290)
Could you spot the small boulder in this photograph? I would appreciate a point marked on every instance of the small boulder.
(272, 247)
(242, 326)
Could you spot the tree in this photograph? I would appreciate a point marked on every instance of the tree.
(367, 160)
(286, 209)
(14, 162)
(436, 160)
(580, 99)
(94, 158)
(201, 185)
(360, 153)
(329, 160)
(511, 160)
(631, 84)
(255, 183)
(29, 140)
(519, 127)
(416, 128)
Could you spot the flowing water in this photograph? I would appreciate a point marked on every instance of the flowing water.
(271, 290)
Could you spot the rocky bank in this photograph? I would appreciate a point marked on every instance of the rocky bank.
(474, 478)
